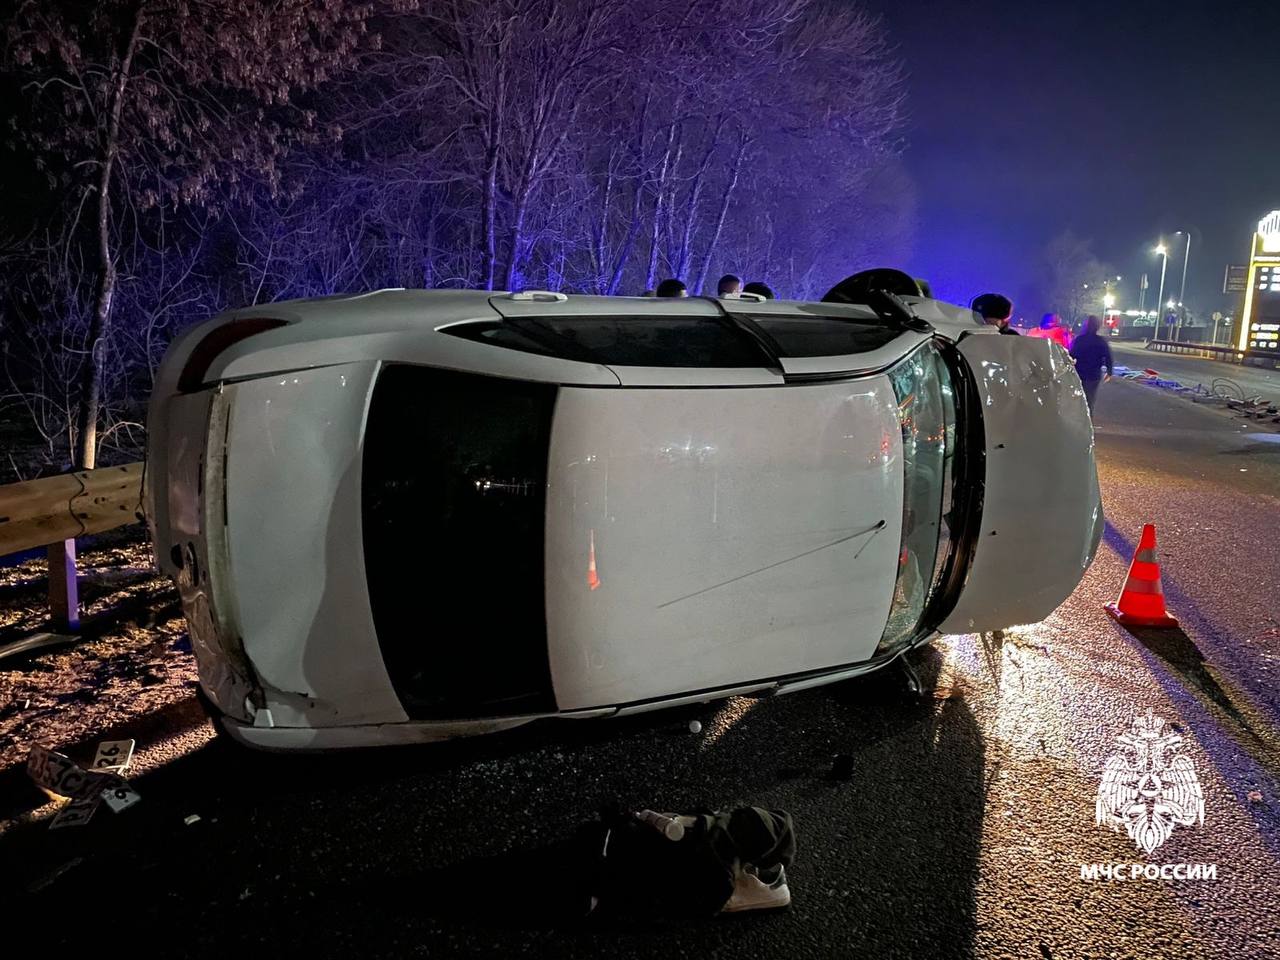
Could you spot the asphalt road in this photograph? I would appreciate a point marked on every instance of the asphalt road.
(961, 832)
(1191, 370)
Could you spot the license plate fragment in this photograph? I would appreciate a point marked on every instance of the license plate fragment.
(113, 756)
(75, 814)
(61, 776)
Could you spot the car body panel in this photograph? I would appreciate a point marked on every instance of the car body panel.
(773, 495)
(1042, 511)
(197, 556)
(854, 364)
(296, 556)
(694, 377)
(264, 358)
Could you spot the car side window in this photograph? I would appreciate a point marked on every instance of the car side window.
(624, 341)
(927, 417)
(825, 336)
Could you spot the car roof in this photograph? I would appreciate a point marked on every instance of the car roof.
(411, 325)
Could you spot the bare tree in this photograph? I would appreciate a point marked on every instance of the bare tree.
(1073, 276)
(156, 101)
(218, 152)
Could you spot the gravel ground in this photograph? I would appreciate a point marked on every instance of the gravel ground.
(131, 675)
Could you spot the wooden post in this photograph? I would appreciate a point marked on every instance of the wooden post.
(64, 592)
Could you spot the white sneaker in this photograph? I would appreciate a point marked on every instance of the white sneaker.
(752, 893)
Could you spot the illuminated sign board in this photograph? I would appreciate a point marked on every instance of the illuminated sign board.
(1260, 329)
(1269, 232)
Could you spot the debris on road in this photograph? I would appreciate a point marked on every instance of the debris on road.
(670, 827)
(695, 726)
(724, 862)
(75, 814)
(120, 798)
(113, 755)
(47, 879)
(191, 818)
(61, 776)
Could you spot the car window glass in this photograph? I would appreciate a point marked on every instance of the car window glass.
(501, 335)
(824, 336)
(624, 341)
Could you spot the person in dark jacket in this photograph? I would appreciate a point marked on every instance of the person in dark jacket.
(995, 310)
(671, 287)
(759, 288)
(1092, 355)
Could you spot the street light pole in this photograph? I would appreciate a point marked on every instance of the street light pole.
(1182, 292)
(1164, 262)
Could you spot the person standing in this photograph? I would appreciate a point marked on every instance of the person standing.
(1092, 354)
(995, 309)
(671, 287)
(1051, 328)
(759, 288)
(729, 287)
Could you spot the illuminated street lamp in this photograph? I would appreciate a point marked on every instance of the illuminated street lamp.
(1163, 252)
(1108, 298)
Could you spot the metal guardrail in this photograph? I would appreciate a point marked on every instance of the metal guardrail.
(1211, 350)
(53, 511)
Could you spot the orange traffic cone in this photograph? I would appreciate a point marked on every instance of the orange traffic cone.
(1141, 602)
(593, 578)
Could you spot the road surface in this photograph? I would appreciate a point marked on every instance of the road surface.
(1190, 370)
(962, 831)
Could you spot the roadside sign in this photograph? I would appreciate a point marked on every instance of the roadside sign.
(1236, 278)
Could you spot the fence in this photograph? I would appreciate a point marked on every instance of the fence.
(1212, 351)
(53, 511)
(1215, 351)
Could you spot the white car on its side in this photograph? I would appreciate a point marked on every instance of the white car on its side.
(414, 515)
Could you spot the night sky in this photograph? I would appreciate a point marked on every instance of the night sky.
(1117, 120)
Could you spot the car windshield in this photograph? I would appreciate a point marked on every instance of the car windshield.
(927, 415)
